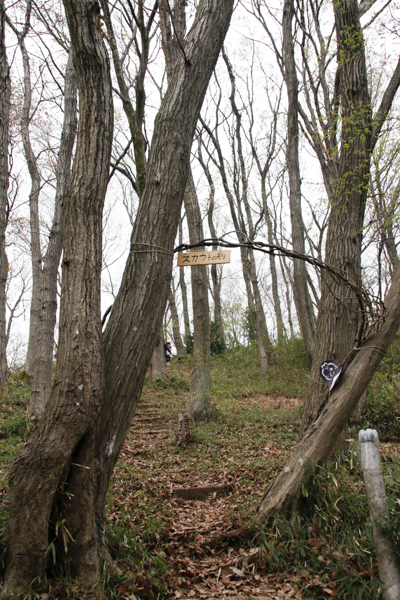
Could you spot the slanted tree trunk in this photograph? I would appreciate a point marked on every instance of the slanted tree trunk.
(5, 91)
(36, 494)
(198, 403)
(301, 293)
(82, 428)
(180, 348)
(321, 437)
(42, 372)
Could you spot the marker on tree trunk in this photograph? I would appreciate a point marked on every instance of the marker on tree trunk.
(329, 372)
(375, 488)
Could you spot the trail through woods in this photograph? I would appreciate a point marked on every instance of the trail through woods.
(208, 546)
(165, 545)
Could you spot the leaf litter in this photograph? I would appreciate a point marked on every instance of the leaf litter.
(207, 546)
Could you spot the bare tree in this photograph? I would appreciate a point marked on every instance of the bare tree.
(264, 158)
(320, 439)
(5, 92)
(42, 373)
(216, 274)
(81, 425)
(182, 285)
(180, 348)
(34, 323)
(39, 360)
(347, 171)
(198, 403)
(237, 196)
(286, 62)
(341, 324)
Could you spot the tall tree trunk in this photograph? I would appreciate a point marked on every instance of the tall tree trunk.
(288, 287)
(338, 317)
(36, 252)
(83, 428)
(158, 367)
(215, 276)
(301, 294)
(241, 185)
(272, 265)
(320, 439)
(180, 348)
(145, 283)
(5, 91)
(247, 258)
(42, 372)
(182, 285)
(198, 403)
(43, 469)
(262, 331)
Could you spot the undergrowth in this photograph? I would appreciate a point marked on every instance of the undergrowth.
(325, 545)
(383, 396)
(329, 539)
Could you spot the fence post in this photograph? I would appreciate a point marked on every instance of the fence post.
(389, 571)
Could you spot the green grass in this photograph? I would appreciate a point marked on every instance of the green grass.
(383, 396)
(237, 371)
(325, 544)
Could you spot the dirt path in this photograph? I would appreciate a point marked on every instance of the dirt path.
(200, 541)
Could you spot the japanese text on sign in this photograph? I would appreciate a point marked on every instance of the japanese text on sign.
(204, 257)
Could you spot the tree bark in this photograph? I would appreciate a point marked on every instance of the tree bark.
(215, 274)
(182, 284)
(288, 287)
(247, 256)
(36, 252)
(321, 436)
(5, 92)
(180, 348)
(82, 427)
(301, 293)
(338, 317)
(49, 464)
(139, 306)
(158, 367)
(42, 372)
(198, 402)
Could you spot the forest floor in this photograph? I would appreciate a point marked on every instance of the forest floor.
(166, 546)
(200, 540)
(212, 547)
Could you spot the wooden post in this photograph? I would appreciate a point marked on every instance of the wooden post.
(385, 551)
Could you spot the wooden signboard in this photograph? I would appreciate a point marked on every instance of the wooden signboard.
(203, 257)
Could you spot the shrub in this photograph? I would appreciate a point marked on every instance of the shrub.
(383, 396)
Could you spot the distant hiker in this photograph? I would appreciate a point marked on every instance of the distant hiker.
(167, 352)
